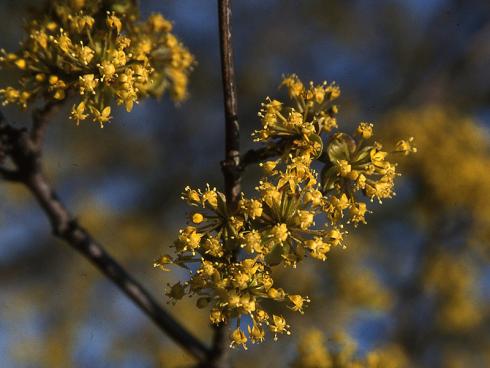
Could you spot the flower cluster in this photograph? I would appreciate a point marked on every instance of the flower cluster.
(100, 51)
(230, 253)
(341, 351)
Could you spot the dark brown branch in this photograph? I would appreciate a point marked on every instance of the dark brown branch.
(40, 121)
(231, 164)
(19, 146)
(232, 132)
(9, 175)
(255, 156)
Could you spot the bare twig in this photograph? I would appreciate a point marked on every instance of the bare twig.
(25, 155)
(231, 163)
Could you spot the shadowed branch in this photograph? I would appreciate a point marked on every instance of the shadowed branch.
(23, 150)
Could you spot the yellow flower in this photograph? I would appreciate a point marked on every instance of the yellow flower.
(78, 112)
(298, 302)
(213, 247)
(314, 197)
(197, 218)
(365, 130)
(10, 95)
(280, 232)
(304, 219)
(107, 70)
(256, 333)
(238, 338)
(21, 64)
(88, 83)
(80, 23)
(158, 23)
(103, 116)
(162, 262)
(41, 38)
(344, 167)
(114, 22)
(276, 294)
(86, 54)
(190, 238)
(278, 326)
(252, 208)
(358, 211)
(318, 248)
(216, 316)
(118, 58)
(377, 157)
(253, 242)
(211, 197)
(192, 196)
(335, 237)
(64, 43)
(294, 85)
(405, 146)
(269, 167)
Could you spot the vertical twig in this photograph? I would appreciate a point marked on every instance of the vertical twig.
(231, 163)
(232, 132)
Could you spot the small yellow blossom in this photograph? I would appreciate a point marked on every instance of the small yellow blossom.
(162, 262)
(280, 232)
(238, 338)
(278, 326)
(103, 116)
(344, 167)
(365, 130)
(256, 333)
(114, 22)
(197, 218)
(298, 302)
(78, 112)
(405, 146)
(88, 83)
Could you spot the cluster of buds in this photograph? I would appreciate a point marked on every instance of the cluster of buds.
(100, 51)
(236, 249)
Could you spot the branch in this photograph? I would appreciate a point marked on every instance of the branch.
(25, 154)
(232, 130)
(9, 175)
(231, 164)
(40, 120)
(255, 156)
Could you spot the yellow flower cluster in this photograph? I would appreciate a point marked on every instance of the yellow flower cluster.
(100, 51)
(235, 250)
(456, 147)
(342, 352)
(452, 280)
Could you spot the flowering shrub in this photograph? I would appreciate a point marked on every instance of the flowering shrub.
(101, 51)
(235, 250)
(341, 351)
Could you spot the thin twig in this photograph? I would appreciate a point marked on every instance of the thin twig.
(40, 121)
(255, 156)
(231, 164)
(9, 175)
(26, 157)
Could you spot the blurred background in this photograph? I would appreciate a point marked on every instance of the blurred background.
(413, 287)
